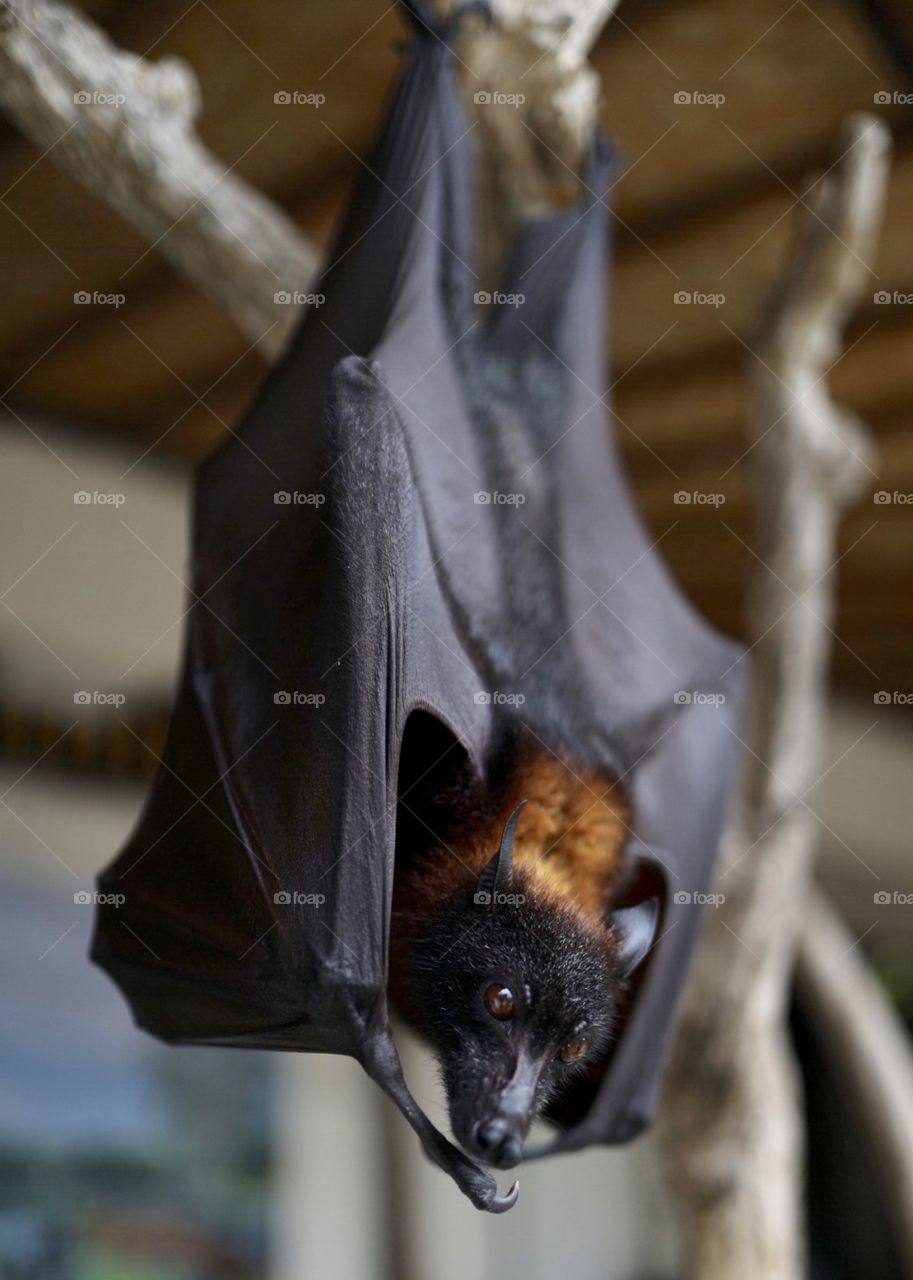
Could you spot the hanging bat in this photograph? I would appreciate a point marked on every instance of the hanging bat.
(420, 595)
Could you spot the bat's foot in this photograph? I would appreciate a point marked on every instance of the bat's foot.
(482, 1189)
(475, 1182)
(381, 1061)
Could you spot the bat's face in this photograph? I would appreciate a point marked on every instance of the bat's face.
(515, 1002)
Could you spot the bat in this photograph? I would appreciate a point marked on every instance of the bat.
(421, 595)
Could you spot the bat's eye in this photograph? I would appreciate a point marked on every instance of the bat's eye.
(499, 1001)
(574, 1051)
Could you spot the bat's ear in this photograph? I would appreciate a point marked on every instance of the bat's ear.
(497, 877)
(635, 930)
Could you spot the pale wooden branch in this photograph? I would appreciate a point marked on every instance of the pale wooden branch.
(124, 128)
(732, 1123)
(532, 100)
(871, 1051)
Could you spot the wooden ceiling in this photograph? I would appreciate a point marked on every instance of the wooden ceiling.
(705, 203)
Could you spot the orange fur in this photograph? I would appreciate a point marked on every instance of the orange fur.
(571, 832)
(569, 842)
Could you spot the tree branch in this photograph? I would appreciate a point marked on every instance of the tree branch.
(731, 1124)
(124, 128)
(532, 101)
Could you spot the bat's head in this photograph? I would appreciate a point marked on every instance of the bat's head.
(517, 994)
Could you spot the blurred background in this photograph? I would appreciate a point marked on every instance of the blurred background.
(121, 1159)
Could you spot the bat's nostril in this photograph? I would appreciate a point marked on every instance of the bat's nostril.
(498, 1141)
(490, 1135)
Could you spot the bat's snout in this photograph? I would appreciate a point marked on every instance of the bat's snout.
(499, 1141)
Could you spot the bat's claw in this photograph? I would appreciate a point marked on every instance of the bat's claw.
(481, 1188)
(500, 1204)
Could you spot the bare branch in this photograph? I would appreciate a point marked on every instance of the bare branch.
(124, 128)
(532, 101)
(731, 1123)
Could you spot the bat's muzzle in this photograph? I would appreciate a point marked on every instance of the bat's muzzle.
(499, 1141)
